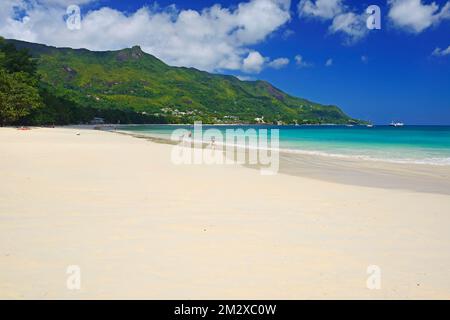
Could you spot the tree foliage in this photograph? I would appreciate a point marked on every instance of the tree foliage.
(19, 93)
(13, 60)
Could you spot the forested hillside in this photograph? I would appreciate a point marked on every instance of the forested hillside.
(131, 86)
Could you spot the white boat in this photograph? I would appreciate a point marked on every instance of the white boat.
(397, 124)
(369, 126)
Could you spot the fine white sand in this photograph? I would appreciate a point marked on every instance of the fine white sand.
(139, 226)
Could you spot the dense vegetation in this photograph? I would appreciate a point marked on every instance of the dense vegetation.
(19, 94)
(130, 86)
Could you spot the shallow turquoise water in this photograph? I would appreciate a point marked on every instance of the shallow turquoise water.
(409, 144)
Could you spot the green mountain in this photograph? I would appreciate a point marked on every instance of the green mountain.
(133, 81)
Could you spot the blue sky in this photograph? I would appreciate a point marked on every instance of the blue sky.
(401, 72)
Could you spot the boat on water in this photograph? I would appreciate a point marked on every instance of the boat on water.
(397, 124)
(369, 125)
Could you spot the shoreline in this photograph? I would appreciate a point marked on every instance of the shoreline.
(419, 177)
(353, 171)
(319, 153)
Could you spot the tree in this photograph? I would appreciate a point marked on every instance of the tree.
(19, 95)
(13, 60)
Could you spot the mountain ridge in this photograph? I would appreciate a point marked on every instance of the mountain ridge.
(130, 79)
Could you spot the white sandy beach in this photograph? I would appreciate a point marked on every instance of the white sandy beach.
(141, 227)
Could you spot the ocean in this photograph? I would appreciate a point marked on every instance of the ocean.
(408, 144)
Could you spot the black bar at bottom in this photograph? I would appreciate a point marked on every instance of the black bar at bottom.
(226, 309)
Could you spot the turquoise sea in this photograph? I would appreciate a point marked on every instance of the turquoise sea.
(408, 144)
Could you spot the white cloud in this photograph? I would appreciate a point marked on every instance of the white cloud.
(254, 62)
(212, 39)
(438, 52)
(279, 63)
(350, 24)
(287, 34)
(64, 3)
(326, 9)
(415, 16)
(246, 78)
(301, 62)
(329, 62)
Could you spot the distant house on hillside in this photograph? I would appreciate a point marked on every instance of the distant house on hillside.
(260, 120)
(97, 120)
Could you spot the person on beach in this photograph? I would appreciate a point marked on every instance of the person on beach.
(186, 139)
